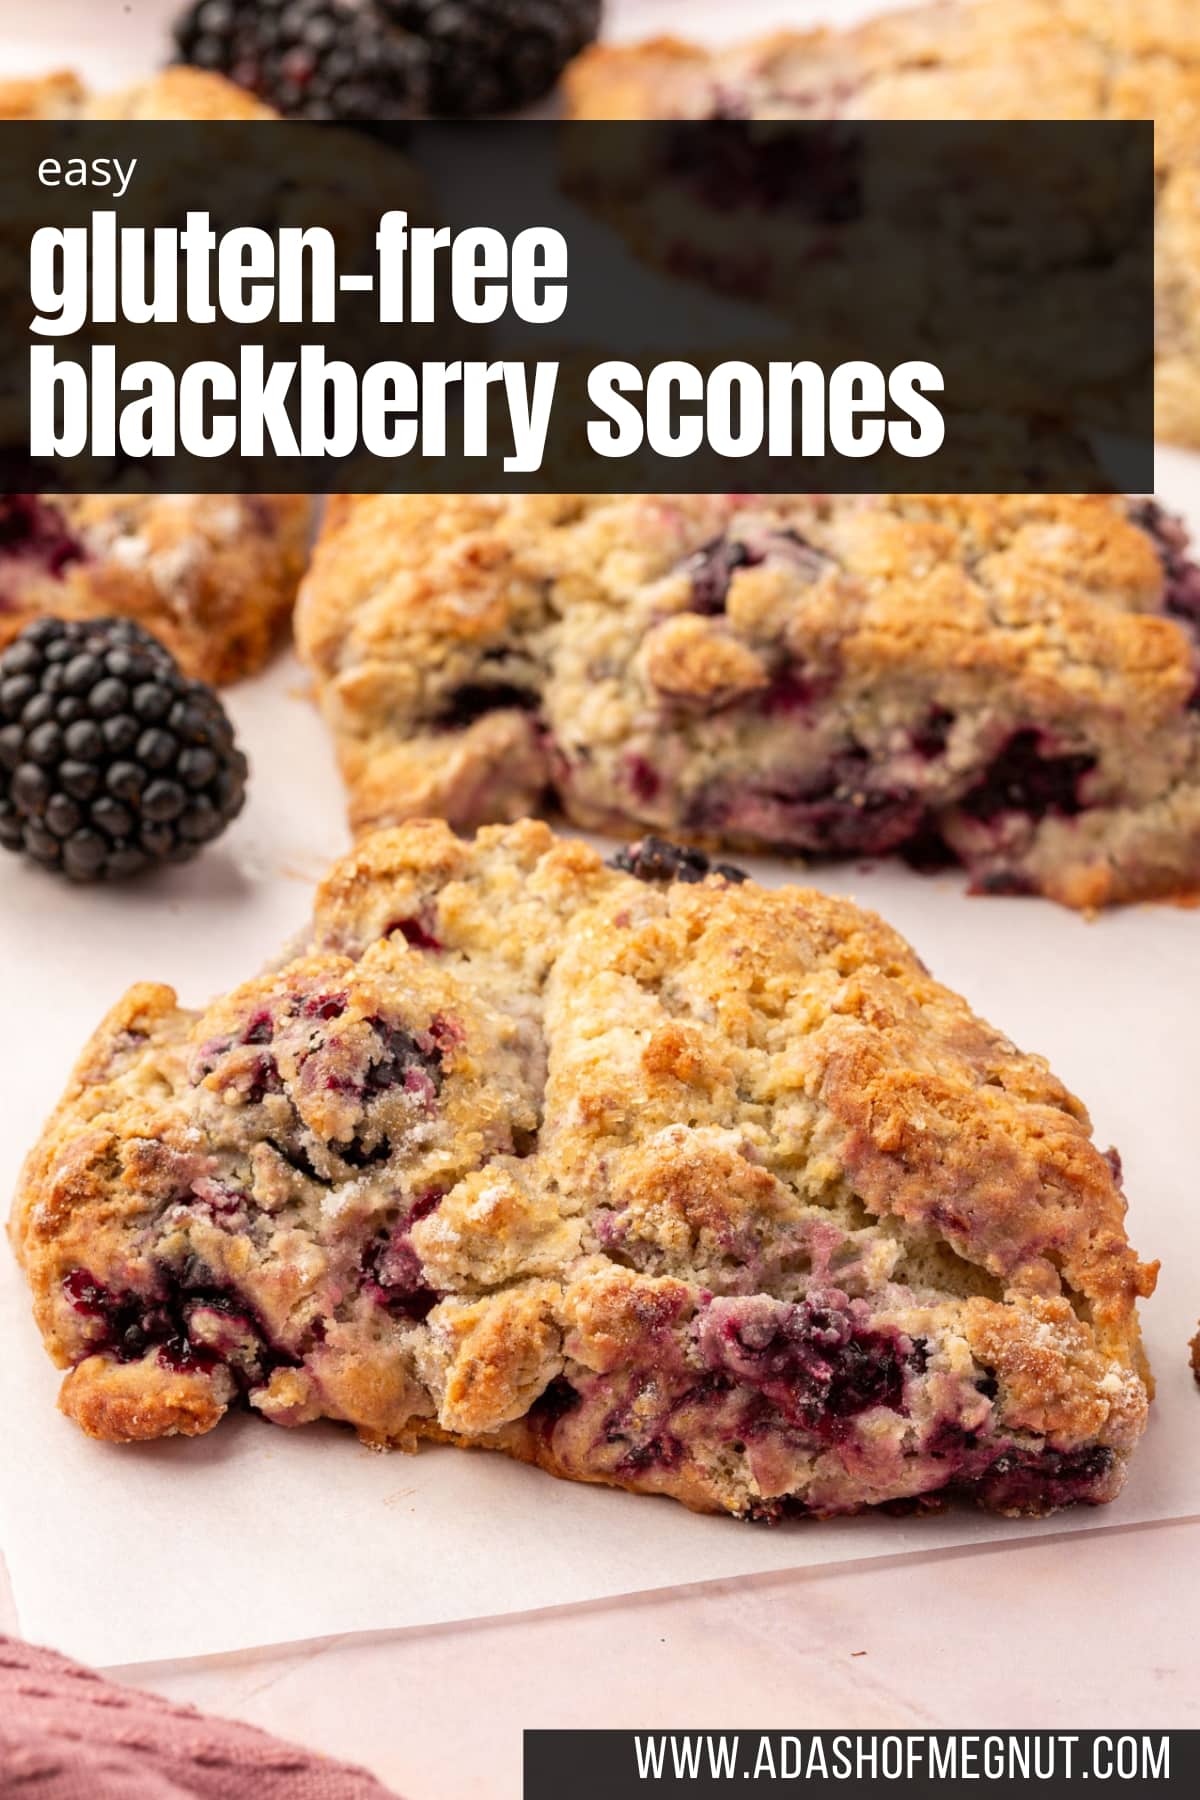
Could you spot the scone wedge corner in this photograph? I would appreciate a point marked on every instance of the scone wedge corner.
(643, 1173)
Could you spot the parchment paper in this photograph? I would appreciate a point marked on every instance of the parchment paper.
(256, 1536)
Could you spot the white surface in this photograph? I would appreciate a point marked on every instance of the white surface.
(1086, 1625)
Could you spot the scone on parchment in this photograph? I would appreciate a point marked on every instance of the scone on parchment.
(642, 1173)
(966, 59)
(1011, 683)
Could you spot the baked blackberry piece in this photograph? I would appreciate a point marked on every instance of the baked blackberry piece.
(685, 1186)
(967, 59)
(1009, 683)
(213, 576)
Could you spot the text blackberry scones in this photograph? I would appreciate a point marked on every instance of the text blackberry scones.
(1009, 682)
(650, 1176)
(1026, 59)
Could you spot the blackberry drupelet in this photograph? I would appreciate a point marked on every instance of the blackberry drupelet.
(489, 56)
(111, 760)
(311, 59)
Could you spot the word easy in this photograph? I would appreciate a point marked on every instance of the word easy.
(79, 172)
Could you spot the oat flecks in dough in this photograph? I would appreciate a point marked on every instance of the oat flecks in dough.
(678, 1184)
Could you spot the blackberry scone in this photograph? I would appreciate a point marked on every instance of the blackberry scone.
(1009, 683)
(213, 576)
(640, 1172)
(966, 59)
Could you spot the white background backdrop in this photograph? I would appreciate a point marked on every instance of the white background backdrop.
(259, 1536)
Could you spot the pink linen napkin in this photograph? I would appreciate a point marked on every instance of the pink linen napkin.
(67, 1734)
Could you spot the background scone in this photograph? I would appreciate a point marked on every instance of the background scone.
(178, 93)
(644, 1174)
(213, 576)
(1009, 682)
(1025, 59)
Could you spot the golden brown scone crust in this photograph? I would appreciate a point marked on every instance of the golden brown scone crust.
(214, 576)
(1025, 59)
(686, 1186)
(866, 674)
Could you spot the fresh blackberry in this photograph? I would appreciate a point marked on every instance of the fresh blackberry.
(654, 859)
(311, 59)
(111, 760)
(488, 56)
